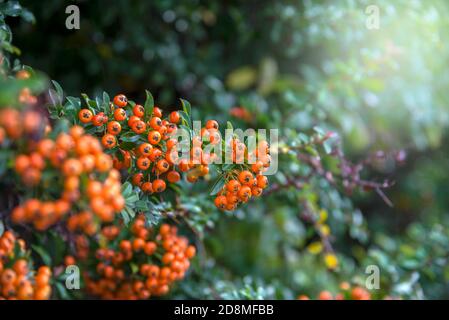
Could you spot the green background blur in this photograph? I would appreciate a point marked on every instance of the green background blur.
(292, 65)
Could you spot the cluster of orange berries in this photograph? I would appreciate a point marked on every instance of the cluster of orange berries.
(347, 293)
(81, 161)
(241, 185)
(16, 279)
(158, 262)
(15, 124)
(158, 155)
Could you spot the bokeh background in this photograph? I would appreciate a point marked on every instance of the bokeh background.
(290, 65)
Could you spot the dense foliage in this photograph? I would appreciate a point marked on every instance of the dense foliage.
(338, 92)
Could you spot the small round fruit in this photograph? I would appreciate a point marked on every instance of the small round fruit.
(120, 100)
(159, 185)
(85, 115)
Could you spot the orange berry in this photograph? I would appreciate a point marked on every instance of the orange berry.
(42, 280)
(257, 166)
(85, 115)
(133, 119)
(76, 132)
(71, 183)
(149, 248)
(147, 187)
(245, 177)
(155, 154)
(221, 202)
(109, 141)
(125, 245)
(97, 120)
(256, 191)
(262, 181)
(143, 163)
(168, 257)
(43, 293)
(159, 185)
(145, 149)
(22, 162)
(103, 162)
(171, 143)
(157, 112)
(154, 137)
(118, 203)
(138, 244)
(162, 165)
(21, 267)
(139, 126)
(155, 123)
(137, 179)
(18, 215)
(114, 127)
(359, 293)
(233, 186)
(72, 167)
(138, 111)
(120, 100)
(164, 230)
(174, 117)
(119, 114)
(173, 176)
(190, 252)
(244, 193)
(211, 124)
(45, 147)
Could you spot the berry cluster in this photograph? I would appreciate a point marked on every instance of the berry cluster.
(241, 185)
(15, 124)
(158, 260)
(154, 150)
(16, 279)
(79, 159)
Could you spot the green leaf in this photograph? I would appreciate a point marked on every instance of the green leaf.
(229, 125)
(218, 185)
(130, 138)
(130, 212)
(126, 189)
(188, 110)
(46, 258)
(149, 104)
(106, 99)
(62, 291)
(319, 130)
(327, 145)
(186, 106)
(74, 102)
(303, 137)
(141, 205)
(59, 92)
(127, 145)
(125, 217)
(132, 199)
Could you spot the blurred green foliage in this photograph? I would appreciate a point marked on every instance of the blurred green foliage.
(291, 65)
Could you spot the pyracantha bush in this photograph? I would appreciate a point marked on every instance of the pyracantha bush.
(18, 280)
